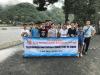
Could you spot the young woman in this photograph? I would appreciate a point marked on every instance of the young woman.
(76, 26)
(63, 31)
(52, 32)
(58, 27)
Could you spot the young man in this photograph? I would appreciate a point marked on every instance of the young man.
(25, 32)
(68, 25)
(72, 31)
(89, 31)
(48, 24)
(30, 26)
(52, 32)
(63, 32)
(34, 31)
(80, 34)
(58, 27)
(76, 26)
(43, 31)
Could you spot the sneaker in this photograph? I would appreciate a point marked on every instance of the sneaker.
(85, 53)
(81, 55)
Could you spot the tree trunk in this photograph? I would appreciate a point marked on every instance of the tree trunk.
(66, 17)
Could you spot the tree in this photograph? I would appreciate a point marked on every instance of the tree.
(80, 8)
(0, 12)
(43, 3)
(26, 12)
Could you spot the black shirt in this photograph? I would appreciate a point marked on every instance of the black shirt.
(72, 32)
(43, 33)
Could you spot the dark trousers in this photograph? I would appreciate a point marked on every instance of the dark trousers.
(87, 43)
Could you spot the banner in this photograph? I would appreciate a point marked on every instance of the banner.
(51, 46)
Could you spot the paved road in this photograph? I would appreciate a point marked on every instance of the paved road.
(11, 34)
(15, 64)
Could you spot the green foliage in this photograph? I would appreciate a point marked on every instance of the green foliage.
(42, 3)
(82, 9)
(26, 12)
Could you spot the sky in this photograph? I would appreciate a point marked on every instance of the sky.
(13, 2)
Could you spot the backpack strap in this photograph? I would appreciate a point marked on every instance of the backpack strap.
(86, 30)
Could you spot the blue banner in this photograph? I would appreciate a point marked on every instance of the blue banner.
(50, 46)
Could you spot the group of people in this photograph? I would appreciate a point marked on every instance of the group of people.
(73, 29)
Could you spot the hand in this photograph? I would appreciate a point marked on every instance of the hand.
(93, 34)
(24, 32)
(72, 35)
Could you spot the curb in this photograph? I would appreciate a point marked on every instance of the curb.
(10, 44)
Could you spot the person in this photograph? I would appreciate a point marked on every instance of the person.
(72, 31)
(24, 31)
(76, 26)
(30, 26)
(34, 31)
(43, 32)
(80, 34)
(63, 31)
(68, 25)
(52, 32)
(89, 31)
(38, 25)
(58, 27)
(48, 24)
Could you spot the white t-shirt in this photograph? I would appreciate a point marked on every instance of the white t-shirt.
(26, 31)
(63, 32)
(52, 32)
(88, 30)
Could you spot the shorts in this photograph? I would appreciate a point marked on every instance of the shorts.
(81, 41)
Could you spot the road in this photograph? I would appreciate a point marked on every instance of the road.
(12, 63)
(11, 34)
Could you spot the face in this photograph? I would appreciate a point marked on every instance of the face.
(76, 24)
(30, 25)
(37, 26)
(68, 24)
(80, 29)
(52, 26)
(34, 26)
(43, 26)
(64, 27)
(25, 26)
(88, 22)
(72, 25)
(47, 23)
(56, 26)
(50, 22)
(59, 26)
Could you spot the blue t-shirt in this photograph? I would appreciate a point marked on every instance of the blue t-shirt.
(35, 32)
(80, 36)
